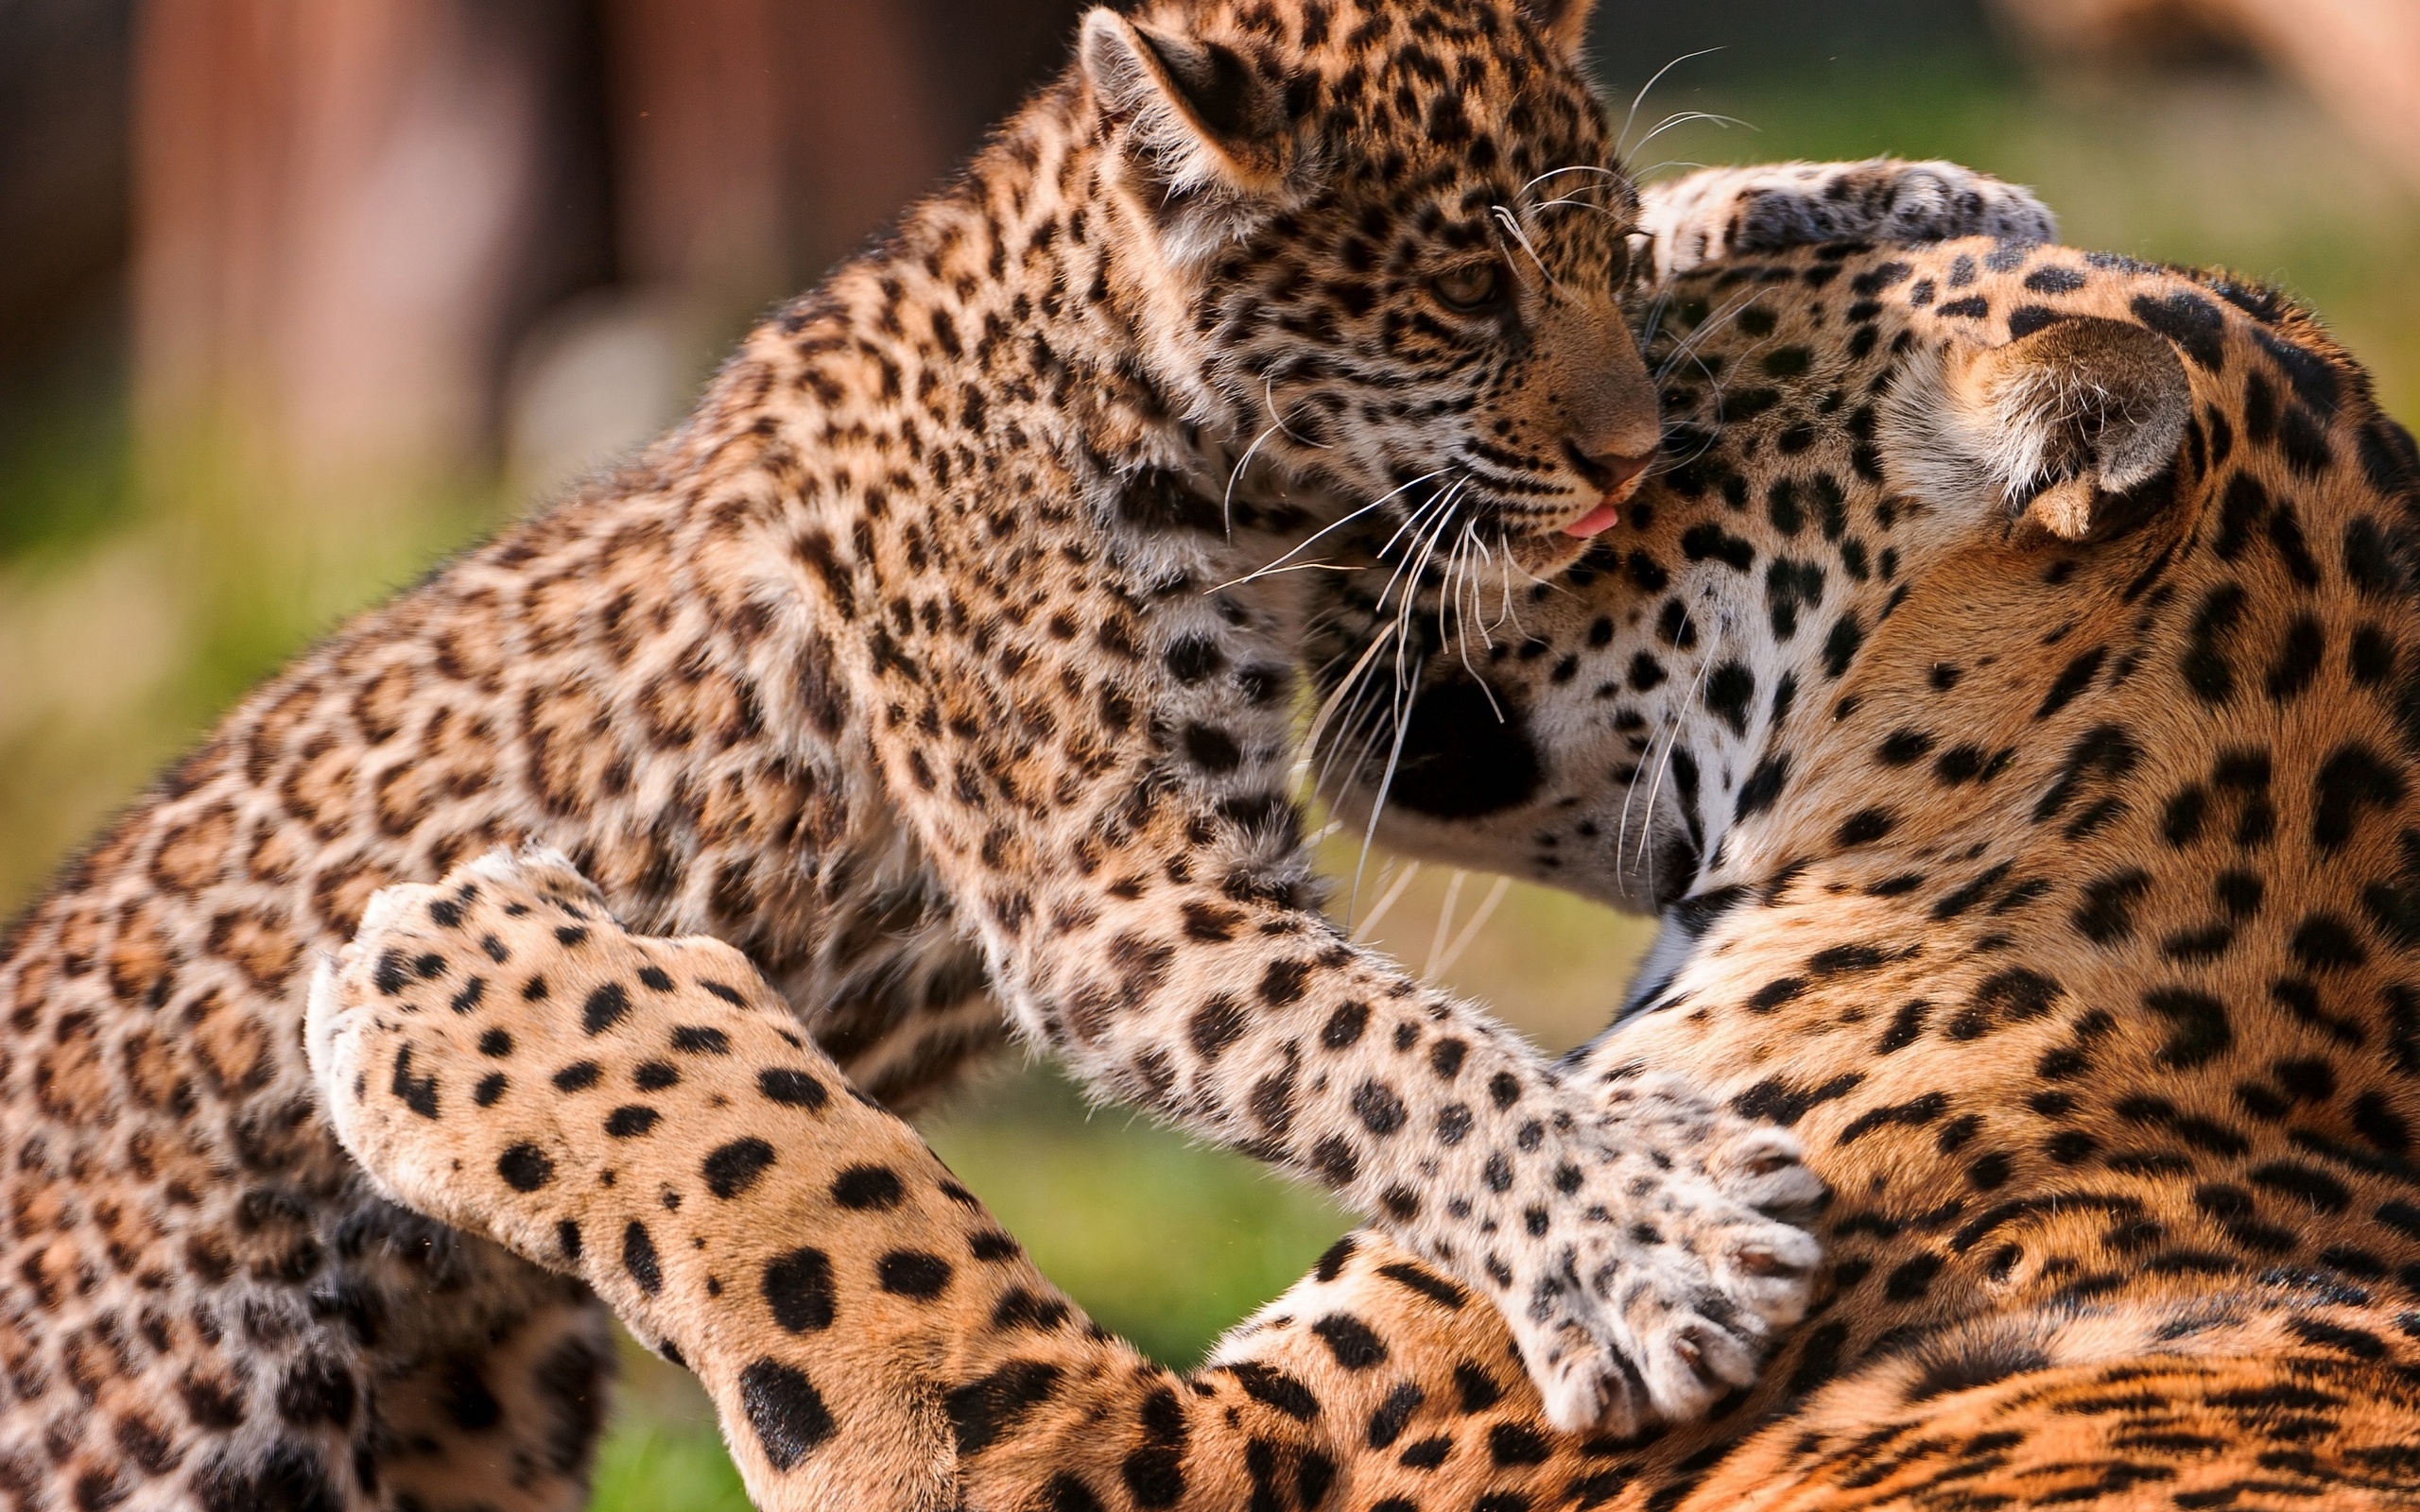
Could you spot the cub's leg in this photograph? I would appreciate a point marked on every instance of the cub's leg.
(644, 1115)
(509, 1421)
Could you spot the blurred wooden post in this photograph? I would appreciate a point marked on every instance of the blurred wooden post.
(864, 124)
(2360, 58)
(696, 142)
(757, 140)
(329, 202)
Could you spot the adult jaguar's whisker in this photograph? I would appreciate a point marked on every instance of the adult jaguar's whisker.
(1437, 938)
(1469, 936)
(1362, 931)
(1679, 718)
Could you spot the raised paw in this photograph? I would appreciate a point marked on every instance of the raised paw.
(1662, 1275)
(1718, 213)
(493, 1049)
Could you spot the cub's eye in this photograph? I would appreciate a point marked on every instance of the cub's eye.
(1469, 289)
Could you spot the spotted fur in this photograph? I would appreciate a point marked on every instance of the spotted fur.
(2046, 858)
(904, 666)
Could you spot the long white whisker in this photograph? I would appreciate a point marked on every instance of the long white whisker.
(1684, 117)
(1577, 204)
(1227, 504)
(1444, 923)
(1337, 525)
(1644, 174)
(1407, 678)
(1575, 167)
(1386, 901)
(1411, 522)
(1670, 725)
(1640, 98)
(1470, 931)
(1707, 329)
(1469, 552)
(1445, 589)
(1344, 690)
(1386, 782)
(1420, 524)
(1269, 402)
(1713, 646)
(1513, 227)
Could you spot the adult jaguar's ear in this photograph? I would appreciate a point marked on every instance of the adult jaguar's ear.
(2076, 427)
(1564, 21)
(1207, 137)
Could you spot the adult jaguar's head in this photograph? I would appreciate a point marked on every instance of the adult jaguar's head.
(1955, 556)
(1378, 246)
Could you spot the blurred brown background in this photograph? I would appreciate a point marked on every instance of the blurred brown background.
(295, 295)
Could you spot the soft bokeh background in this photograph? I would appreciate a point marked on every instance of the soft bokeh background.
(297, 294)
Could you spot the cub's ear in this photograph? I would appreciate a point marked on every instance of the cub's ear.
(1208, 136)
(1564, 21)
(2059, 427)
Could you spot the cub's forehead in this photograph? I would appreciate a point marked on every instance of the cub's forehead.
(1415, 84)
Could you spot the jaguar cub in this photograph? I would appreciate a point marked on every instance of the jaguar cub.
(2008, 698)
(914, 665)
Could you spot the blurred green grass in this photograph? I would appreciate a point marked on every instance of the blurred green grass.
(122, 627)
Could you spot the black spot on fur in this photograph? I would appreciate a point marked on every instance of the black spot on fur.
(791, 1089)
(868, 1187)
(639, 1257)
(913, 1273)
(2192, 323)
(604, 1009)
(785, 1411)
(1355, 1344)
(524, 1167)
(982, 1410)
(798, 1288)
(733, 1168)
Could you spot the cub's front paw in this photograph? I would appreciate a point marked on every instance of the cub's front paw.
(1655, 1273)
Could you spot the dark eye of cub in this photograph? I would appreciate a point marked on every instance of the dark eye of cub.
(1469, 289)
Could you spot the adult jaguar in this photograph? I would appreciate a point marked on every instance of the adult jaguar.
(2009, 696)
(893, 666)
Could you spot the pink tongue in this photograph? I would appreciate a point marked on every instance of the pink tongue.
(1603, 518)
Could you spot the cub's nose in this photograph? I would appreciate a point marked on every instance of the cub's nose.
(1609, 473)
